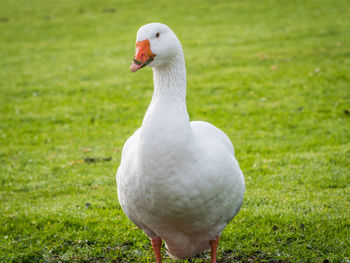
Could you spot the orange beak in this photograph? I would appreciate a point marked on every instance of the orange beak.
(143, 56)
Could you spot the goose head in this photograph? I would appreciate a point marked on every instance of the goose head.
(156, 46)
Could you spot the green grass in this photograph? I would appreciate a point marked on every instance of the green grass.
(274, 75)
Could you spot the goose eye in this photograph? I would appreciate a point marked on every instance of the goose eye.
(157, 35)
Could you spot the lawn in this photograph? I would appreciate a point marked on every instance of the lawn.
(274, 75)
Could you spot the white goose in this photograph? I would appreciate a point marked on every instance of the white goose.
(178, 181)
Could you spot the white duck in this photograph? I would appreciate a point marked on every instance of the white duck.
(178, 180)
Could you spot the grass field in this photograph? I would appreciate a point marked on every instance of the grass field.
(274, 75)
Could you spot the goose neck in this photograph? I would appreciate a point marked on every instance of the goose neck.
(170, 81)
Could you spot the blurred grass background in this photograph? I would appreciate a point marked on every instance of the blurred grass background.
(274, 75)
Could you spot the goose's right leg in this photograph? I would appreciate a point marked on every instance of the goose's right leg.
(157, 244)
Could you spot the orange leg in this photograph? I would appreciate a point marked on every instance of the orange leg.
(214, 247)
(157, 244)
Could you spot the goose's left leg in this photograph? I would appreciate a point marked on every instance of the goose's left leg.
(157, 244)
(214, 247)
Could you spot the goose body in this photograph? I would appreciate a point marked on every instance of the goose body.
(178, 181)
